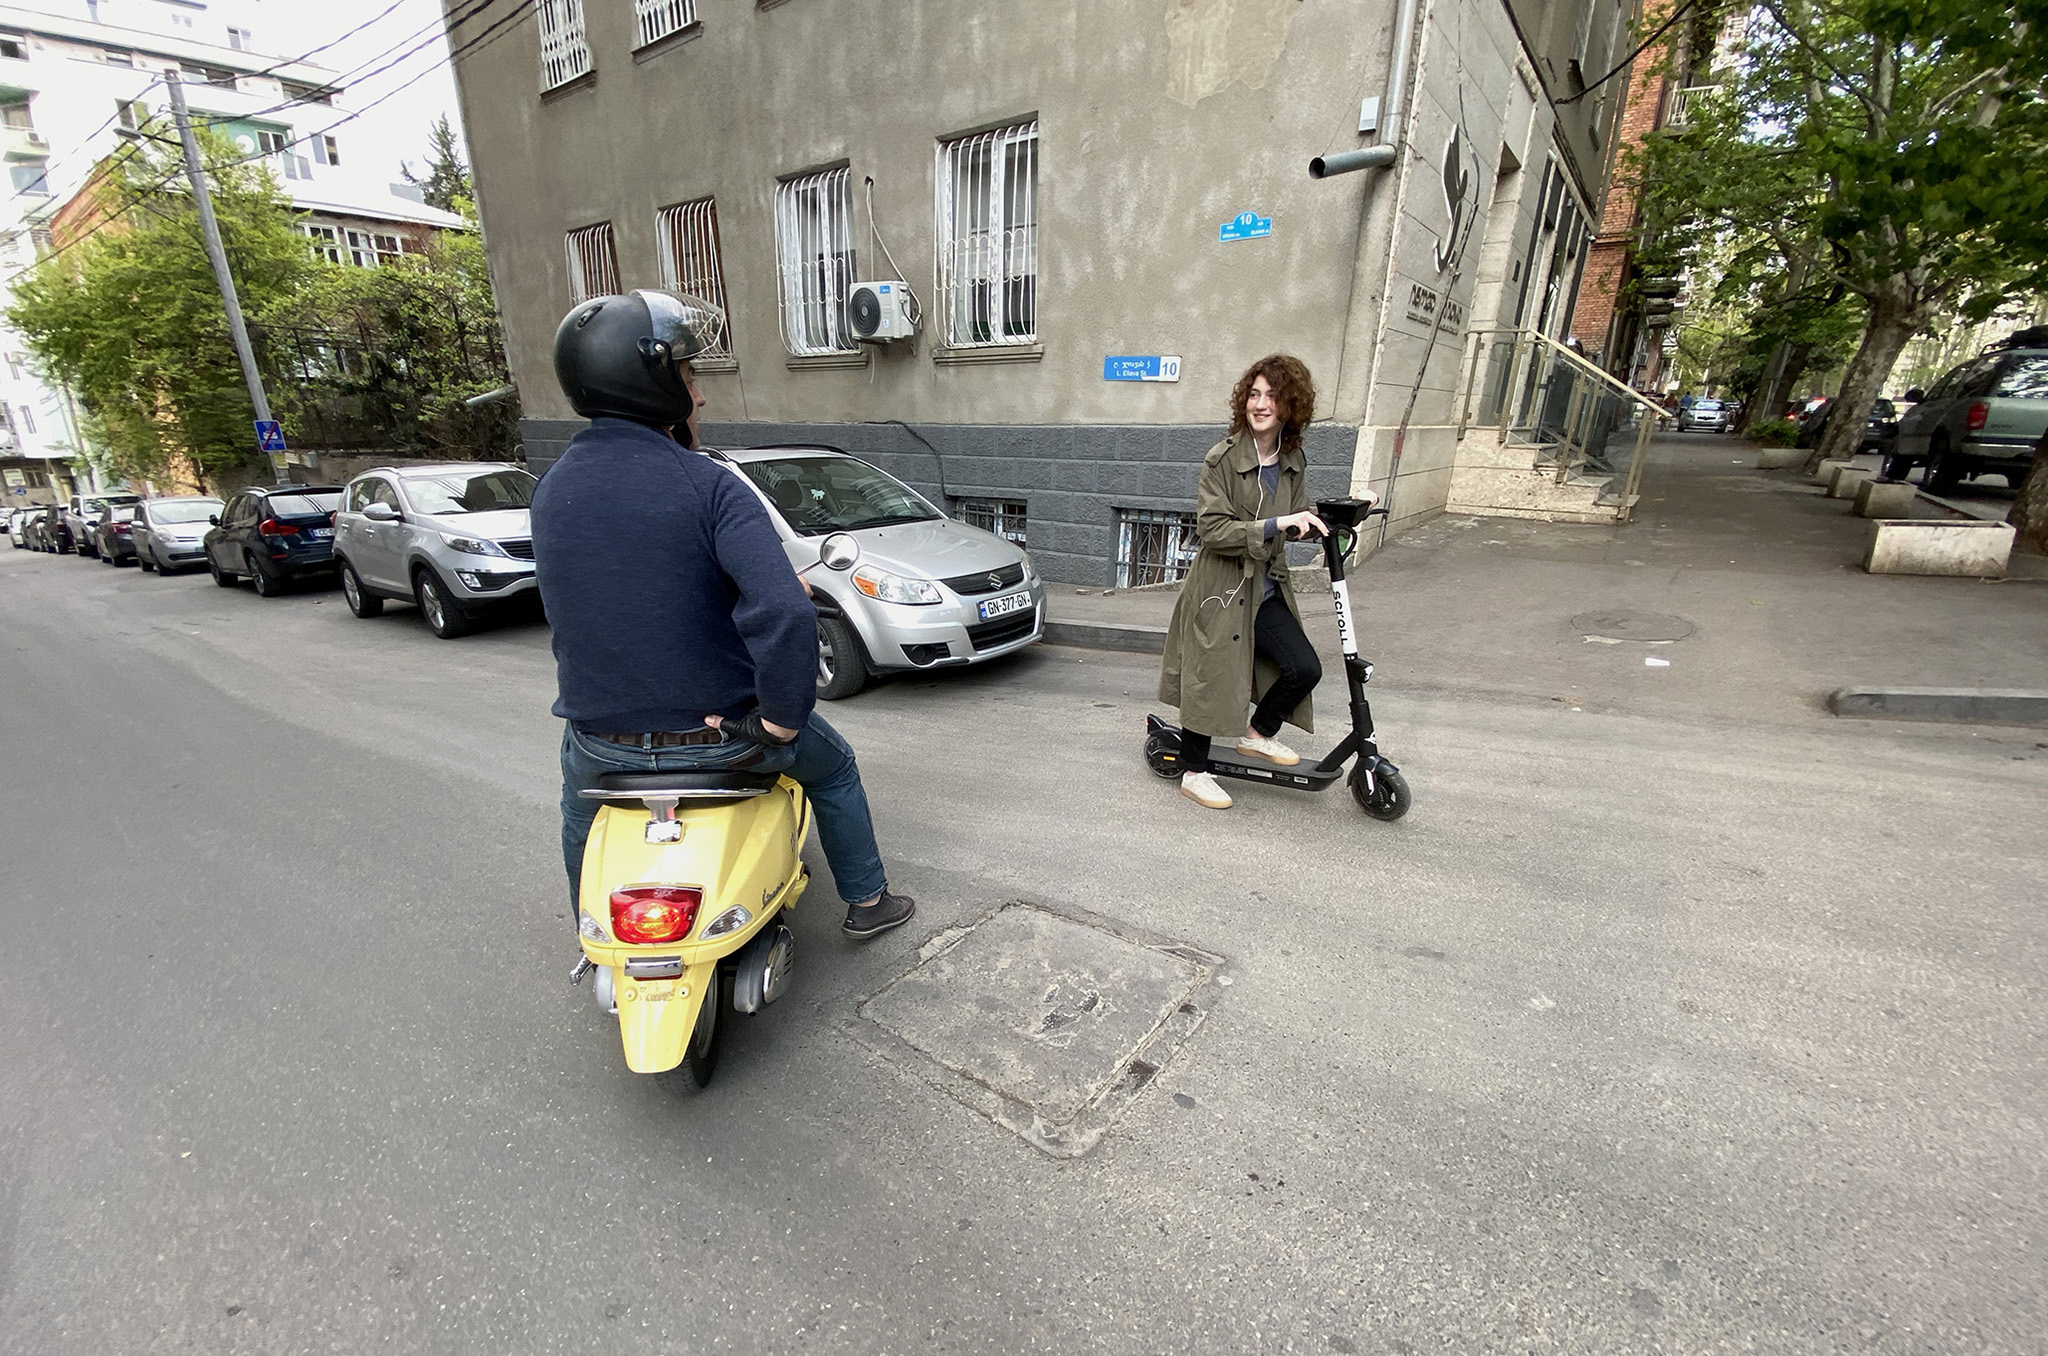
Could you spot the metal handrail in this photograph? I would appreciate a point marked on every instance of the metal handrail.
(1524, 385)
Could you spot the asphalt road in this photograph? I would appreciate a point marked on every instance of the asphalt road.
(1639, 1034)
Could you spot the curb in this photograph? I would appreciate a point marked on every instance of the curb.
(1106, 636)
(1962, 705)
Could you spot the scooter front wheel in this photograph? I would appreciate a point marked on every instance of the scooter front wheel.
(1387, 800)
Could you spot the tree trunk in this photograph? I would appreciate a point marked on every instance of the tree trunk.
(2029, 515)
(1772, 395)
(1891, 324)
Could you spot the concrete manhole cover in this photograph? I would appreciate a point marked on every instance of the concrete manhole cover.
(1047, 1025)
(1623, 625)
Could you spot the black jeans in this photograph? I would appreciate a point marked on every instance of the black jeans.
(1276, 637)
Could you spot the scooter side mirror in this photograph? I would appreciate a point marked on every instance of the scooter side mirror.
(839, 552)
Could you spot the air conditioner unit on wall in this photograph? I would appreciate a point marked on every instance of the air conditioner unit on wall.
(879, 311)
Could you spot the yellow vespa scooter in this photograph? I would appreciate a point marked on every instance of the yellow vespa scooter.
(686, 877)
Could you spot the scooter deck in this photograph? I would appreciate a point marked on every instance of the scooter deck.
(1303, 776)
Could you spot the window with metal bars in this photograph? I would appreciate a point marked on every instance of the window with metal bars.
(593, 262)
(987, 234)
(658, 19)
(814, 262)
(1154, 546)
(564, 54)
(1004, 517)
(687, 235)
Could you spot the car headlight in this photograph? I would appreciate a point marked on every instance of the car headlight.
(894, 588)
(474, 546)
(1030, 570)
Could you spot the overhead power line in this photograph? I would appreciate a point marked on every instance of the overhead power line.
(1629, 60)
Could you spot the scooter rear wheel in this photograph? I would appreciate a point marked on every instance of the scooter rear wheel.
(1387, 800)
(708, 1040)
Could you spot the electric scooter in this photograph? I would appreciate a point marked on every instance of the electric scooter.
(1376, 784)
(686, 878)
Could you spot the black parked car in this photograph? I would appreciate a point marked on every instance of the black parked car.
(47, 532)
(113, 536)
(274, 534)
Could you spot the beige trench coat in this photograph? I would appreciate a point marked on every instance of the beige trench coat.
(1209, 670)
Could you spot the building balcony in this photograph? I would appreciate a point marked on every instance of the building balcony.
(23, 143)
(1685, 103)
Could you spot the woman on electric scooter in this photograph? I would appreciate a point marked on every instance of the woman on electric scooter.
(1236, 632)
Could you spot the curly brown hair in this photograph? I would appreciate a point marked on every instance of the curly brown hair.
(1294, 393)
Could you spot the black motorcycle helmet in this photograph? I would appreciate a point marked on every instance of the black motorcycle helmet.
(617, 355)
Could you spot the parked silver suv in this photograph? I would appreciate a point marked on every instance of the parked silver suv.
(453, 537)
(1983, 418)
(928, 591)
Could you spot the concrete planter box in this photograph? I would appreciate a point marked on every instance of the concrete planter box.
(1884, 499)
(1932, 546)
(1779, 458)
(1826, 474)
(1846, 480)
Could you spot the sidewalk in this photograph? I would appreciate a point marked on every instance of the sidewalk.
(1759, 570)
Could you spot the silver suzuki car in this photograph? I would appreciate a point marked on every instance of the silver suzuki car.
(453, 537)
(928, 591)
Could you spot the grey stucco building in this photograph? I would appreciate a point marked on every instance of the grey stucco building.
(1072, 193)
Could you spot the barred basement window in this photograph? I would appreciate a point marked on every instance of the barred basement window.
(987, 233)
(1154, 546)
(660, 18)
(593, 263)
(564, 55)
(814, 261)
(1004, 517)
(687, 234)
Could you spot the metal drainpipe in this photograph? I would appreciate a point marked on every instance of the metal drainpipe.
(1392, 108)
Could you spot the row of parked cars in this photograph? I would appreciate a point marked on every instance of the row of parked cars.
(1984, 417)
(454, 540)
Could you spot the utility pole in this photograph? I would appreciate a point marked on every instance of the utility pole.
(210, 228)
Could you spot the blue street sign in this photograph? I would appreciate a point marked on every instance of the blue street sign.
(269, 436)
(1165, 367)
(1245, 226)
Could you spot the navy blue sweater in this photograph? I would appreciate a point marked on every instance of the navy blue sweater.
(670, 596)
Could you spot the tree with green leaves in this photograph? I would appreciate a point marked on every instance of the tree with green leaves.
(1899, 140)
(130, 317)
(446, 181)
(390, 355)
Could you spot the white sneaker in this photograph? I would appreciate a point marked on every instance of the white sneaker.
(1201, 788)
(1272, 750)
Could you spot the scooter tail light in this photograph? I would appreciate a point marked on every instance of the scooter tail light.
(1979, 414)
(644, 914)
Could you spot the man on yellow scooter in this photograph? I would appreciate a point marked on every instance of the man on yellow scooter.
(683, 639)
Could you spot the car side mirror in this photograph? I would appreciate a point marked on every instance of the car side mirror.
(213, 518)
(1916, 395)
(838, 552)
(380, 513)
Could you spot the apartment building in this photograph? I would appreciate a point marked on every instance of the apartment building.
(1084, 220)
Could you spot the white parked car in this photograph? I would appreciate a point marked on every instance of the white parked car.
(454, 537)
(928, 592)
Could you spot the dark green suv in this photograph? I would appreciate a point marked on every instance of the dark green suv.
(1982, 418)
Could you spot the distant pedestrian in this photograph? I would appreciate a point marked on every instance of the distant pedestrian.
(1236, 633)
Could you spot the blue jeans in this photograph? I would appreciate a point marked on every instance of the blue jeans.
(820, 762)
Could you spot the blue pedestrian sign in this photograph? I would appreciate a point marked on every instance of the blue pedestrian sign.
(1164, 367)
(269, 436)
(1245, 226)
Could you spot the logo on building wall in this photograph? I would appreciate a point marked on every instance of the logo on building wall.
(1457, 200)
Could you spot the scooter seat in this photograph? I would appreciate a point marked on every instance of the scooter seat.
(693, 788)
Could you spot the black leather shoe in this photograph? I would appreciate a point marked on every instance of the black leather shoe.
(865, 920)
